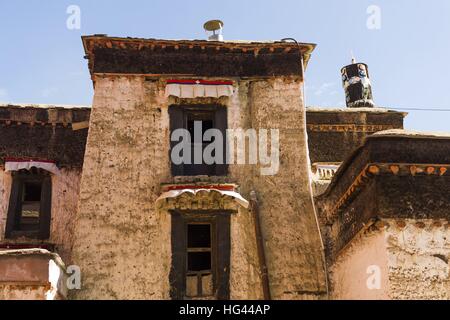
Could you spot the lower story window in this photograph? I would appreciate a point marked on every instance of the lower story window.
(199, 271)
(200, 255)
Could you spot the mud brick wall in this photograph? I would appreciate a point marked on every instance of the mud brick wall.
(122, 243)
(123, 240)
(292, 241)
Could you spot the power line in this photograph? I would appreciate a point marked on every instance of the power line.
(423, 109)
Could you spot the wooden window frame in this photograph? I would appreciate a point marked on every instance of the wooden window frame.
(178, 117)
(19, 178)
(213, 250)
(220, 246)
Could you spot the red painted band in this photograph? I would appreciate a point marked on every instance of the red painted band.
(13, 246)
(28, 160)
(217, 187)
(204, 82)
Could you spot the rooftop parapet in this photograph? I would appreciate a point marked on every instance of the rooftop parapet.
(154, 57)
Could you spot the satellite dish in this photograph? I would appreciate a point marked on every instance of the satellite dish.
(214, 26)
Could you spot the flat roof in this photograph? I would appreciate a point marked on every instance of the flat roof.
(354, 110)
(410, 134)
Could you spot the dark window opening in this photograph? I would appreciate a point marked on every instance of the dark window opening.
(198, 247)
(203, 119)
(32, 191)
(199, 269)
(199, 261)
(199, 235)
(29, 205)
(199, 277)
(208, 117)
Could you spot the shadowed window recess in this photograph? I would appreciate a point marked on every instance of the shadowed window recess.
(199, 260)
(200, 255)
(29, 204)
(202, 117)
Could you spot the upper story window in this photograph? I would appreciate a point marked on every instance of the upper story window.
(29, 205)
(197, 120)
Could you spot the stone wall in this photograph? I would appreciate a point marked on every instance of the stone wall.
(412, 256)
(123, 241)
(418, 256)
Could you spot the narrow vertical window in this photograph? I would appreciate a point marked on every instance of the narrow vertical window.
(29, 205)
(200, 255)
(199, 278)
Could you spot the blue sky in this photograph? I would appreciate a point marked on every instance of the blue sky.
(41, 61)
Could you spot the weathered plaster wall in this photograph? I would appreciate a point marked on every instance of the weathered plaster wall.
(352, 269)
(292, 241)
(5, 192)
(65, 194)
(23, 292)
(32, 274)
(65, 191)
(245, 282)
(418, 255)
(123, 124)
(123, 242)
